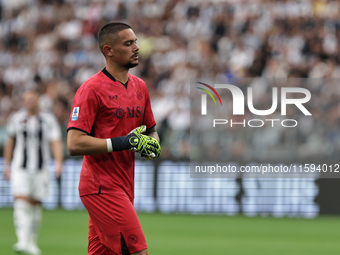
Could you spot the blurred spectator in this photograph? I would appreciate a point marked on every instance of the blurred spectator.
(178, 39)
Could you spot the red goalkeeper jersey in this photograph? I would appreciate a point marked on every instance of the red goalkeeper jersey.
(104, 107)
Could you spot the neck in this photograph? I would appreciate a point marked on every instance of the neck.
(119, 73)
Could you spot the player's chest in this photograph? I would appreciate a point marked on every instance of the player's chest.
(122, 104)
(31, 128)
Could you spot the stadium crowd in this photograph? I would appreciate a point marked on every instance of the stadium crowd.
(51, 44)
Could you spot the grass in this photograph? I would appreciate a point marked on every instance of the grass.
(65, 232)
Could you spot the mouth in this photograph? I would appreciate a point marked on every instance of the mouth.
(135, 56)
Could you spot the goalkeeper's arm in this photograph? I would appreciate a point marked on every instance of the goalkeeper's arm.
(80, 143)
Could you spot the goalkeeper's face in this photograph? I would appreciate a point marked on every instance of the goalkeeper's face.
(125, 49)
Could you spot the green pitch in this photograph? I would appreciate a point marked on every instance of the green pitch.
(65, 232)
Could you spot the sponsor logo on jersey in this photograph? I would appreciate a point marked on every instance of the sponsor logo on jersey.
(135, 112)
(75, 113)
(119, 113)
(129, 112)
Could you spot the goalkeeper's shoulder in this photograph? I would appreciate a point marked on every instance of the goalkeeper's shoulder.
(137, 80)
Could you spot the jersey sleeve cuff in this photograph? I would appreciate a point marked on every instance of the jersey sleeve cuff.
(151, 127)
(79, 129)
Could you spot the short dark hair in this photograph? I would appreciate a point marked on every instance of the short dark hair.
(110, 32)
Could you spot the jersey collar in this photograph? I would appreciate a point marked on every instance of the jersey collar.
(113, 78)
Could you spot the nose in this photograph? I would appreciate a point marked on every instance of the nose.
(136, 48)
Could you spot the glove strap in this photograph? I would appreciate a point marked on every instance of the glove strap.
(120, 143)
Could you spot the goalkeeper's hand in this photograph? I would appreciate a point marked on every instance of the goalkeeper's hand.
(135, 141)
(147, 146)
(156, 149)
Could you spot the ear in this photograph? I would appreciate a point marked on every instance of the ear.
(108, 50)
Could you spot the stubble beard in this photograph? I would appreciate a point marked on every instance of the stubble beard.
(131, 65)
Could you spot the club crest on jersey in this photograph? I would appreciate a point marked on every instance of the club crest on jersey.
(139, 95)
(75, 113)
(133, 239)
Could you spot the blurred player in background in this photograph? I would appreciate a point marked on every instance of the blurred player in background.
(106, 108)
(31, 132)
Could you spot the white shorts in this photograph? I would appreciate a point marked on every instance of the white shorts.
(28, 184)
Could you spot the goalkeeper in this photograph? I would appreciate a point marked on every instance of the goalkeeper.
(111, 119)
